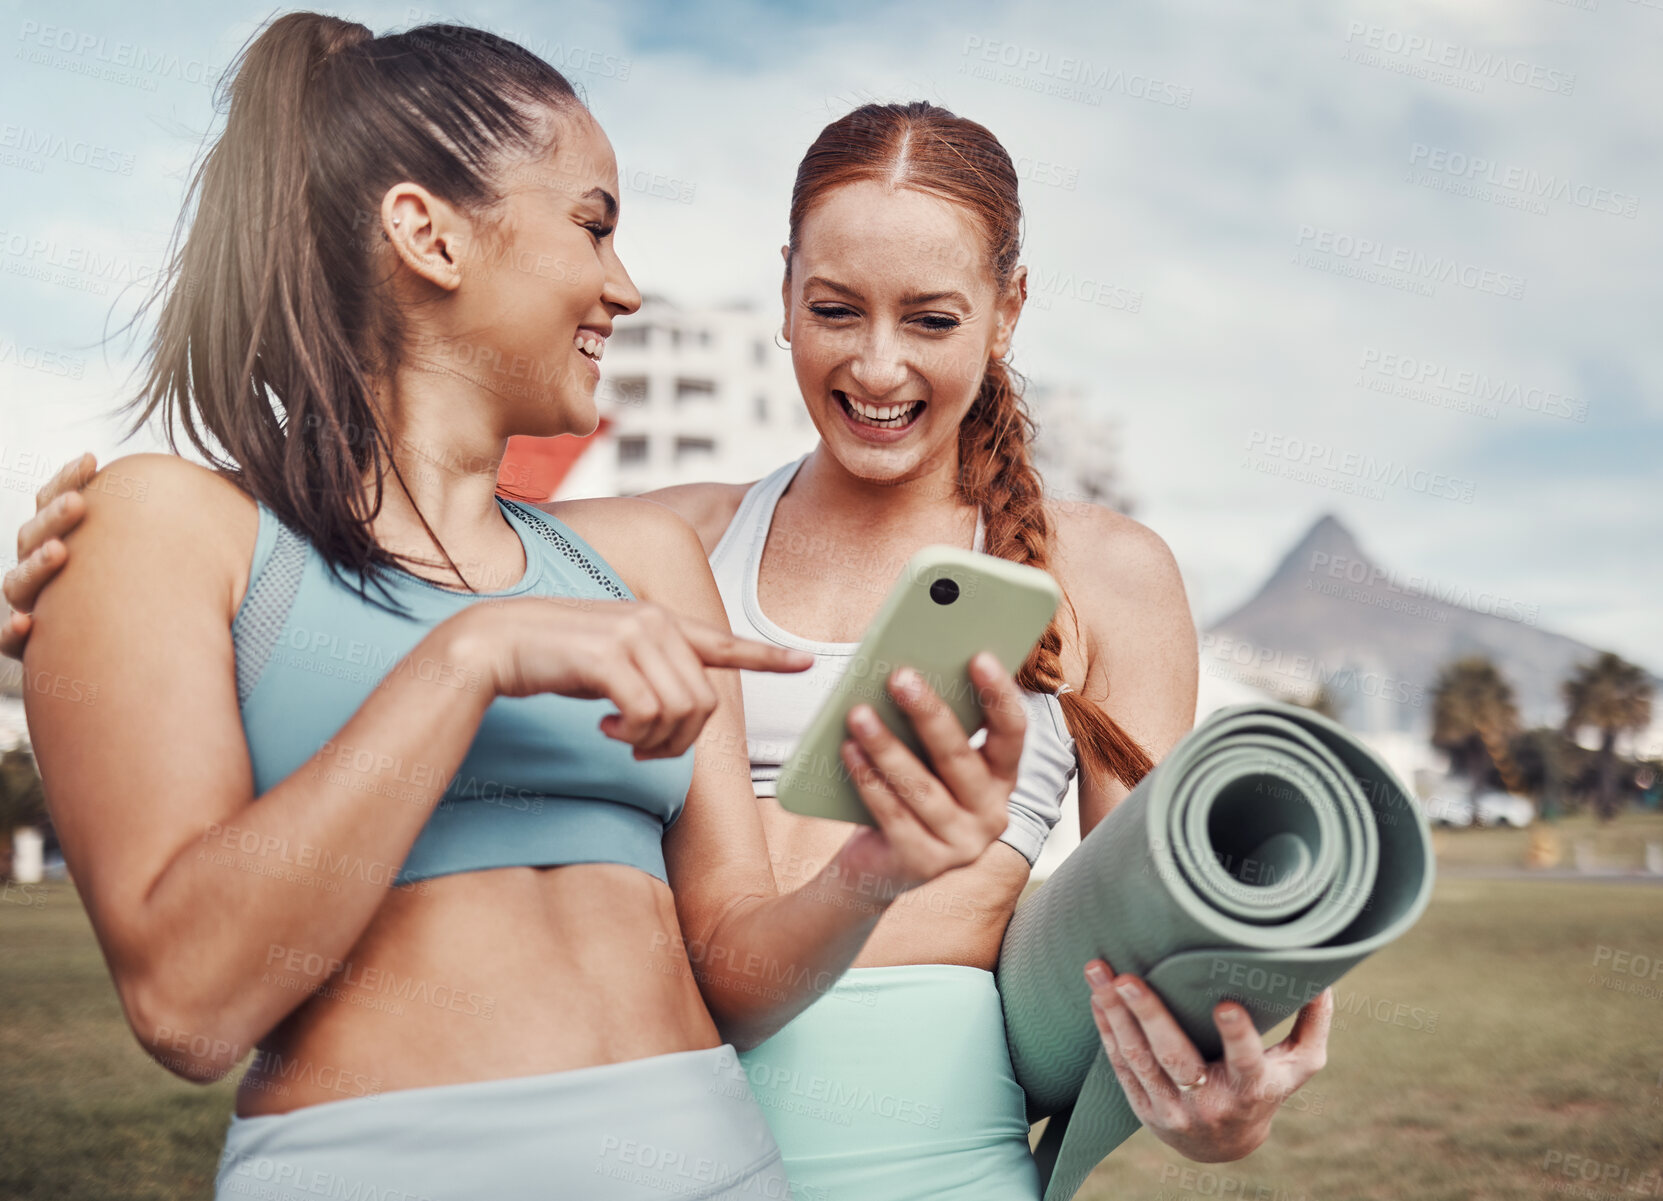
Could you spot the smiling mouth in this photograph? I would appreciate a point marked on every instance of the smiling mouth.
(590, 345)
(883, 417)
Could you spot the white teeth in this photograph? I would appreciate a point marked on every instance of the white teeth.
(591, 345)
(888, 414)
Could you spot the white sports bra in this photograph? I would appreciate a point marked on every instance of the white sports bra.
(779, 706)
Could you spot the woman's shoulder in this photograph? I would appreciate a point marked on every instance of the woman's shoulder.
(163, 492)
(162, 515)
(708, 507)
(652, 547)
(133, 477)
(1113, 566)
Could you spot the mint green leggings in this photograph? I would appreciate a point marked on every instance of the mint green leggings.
(897, 1084)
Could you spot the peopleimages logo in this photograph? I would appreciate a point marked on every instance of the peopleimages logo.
(1383, 366)
(1423, 56)
(48, 258)
(1066, 75)
(41, 145)
(1321, 457)
(1370, 578)
(85, 53)
(1404, 261)
(1270, 669)
(1045, 283)
(1526, 181)
(52, 362)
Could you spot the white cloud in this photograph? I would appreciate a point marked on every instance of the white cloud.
(1198, 208)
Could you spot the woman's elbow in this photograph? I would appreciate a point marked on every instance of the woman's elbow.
(185, 1038)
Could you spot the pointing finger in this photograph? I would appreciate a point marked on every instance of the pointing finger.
(723, 648)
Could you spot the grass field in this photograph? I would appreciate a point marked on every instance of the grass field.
(87, 1113)
(1531, 1068)
(1618, 844)
(1512, 1037)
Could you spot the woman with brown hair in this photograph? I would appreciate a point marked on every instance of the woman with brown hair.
(393, 782)
(901, 295)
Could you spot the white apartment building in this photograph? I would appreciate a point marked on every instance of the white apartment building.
(692, 394)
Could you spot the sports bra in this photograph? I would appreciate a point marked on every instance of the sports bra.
(540, 784)
(779, 706)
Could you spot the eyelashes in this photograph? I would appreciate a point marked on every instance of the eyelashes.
(935, 323)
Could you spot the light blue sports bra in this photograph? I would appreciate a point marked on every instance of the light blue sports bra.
(540, 784)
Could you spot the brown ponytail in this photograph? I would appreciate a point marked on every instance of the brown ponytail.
(272, 325)
(929, 149)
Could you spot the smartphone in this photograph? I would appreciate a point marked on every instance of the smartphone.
(948, 605)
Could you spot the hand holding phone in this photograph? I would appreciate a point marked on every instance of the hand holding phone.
(947, 605)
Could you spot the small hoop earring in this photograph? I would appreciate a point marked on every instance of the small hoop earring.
(777, 342)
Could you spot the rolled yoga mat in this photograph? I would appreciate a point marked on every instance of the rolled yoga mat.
(1267, 854)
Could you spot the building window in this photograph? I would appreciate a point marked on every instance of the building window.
(759, 351)
(687, 448)
(630, 335)
(704, 337)
(695, 389)
(675, 339)
(632, 449)
(761, 407)
(630, 389)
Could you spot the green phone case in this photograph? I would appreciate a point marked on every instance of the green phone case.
(996, 605)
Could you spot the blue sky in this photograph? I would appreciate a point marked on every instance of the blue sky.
(1276, 185)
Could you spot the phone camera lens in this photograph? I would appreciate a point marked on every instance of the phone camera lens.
(944, 591)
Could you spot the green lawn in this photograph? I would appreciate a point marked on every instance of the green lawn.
(1529, 1063)
(87, 1113)
(1618, 844)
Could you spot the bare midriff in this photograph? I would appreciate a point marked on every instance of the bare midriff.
(486, 975)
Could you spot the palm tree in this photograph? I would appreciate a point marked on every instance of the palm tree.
(1613, 696)
(1546, 761)
(1473, 715)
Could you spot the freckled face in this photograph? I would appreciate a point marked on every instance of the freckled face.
(548, 283)
(892, 312)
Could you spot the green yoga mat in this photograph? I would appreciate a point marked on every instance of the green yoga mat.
(1267, 854)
